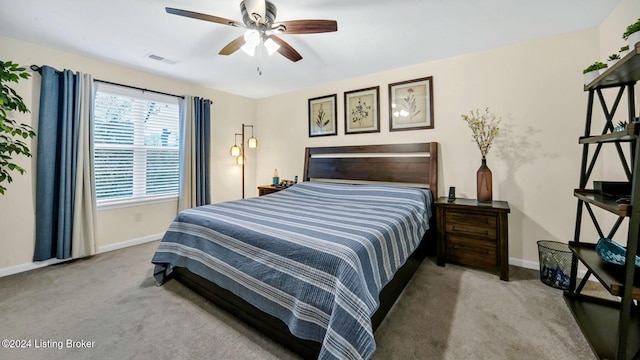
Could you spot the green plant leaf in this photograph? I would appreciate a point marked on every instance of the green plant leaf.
(633, 28)
(11, 132)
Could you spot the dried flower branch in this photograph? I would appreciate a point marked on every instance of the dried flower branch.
(484, 128)
(409, 105)
(360, 112)
(320, 120)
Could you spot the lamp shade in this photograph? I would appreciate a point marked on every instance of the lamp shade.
(271, 46)
(248, 49)
(241, 160)
(252, 143)
(252, 39)
(235, 150)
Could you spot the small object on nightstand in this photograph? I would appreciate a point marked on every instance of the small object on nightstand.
(275, 179)
(452, 194)
(295, 179)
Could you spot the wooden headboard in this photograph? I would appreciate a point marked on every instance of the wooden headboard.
(394, 163)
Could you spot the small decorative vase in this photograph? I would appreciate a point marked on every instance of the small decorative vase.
(623, 53)
(484, 183)
(590, 76)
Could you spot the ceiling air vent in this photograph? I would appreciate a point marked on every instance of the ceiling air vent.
(160, 58)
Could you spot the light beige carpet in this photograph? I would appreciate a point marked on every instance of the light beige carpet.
(110, 301)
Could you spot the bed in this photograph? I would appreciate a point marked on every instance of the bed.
(316, 266)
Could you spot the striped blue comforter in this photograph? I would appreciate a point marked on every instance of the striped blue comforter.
(315, 255)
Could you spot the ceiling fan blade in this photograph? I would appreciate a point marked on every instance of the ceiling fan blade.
(257, 10)
(205, 17)
(233, 46)
(306, 26)
(286, 50)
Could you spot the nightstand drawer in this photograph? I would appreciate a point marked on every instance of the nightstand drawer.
(268, 189)
(471, 252)
(477, 225)
(474, 233)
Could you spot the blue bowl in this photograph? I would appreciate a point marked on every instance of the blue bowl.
(612, 252)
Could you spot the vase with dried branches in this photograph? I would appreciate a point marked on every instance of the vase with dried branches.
(484, 128)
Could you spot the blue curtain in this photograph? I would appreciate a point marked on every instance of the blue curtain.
(202, 117)
(195, 137)
(63, 117)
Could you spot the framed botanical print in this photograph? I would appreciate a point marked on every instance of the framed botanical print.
(322, 116)
(411, 104)
(362, 111)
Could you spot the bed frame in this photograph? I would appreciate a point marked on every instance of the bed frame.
(415, 164)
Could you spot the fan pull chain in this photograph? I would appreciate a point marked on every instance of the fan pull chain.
(259, 57)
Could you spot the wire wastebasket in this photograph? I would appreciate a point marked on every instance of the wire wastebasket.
(555, 263)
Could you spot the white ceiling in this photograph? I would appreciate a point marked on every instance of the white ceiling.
(373, 35)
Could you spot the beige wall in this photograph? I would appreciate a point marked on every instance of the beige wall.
(535, 86)
(537, 89)
(124, 224)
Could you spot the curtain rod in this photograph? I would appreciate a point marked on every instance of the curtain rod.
(39, 70)
(138, 88)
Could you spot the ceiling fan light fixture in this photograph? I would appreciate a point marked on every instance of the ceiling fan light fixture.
(271, 46)
(259, 18)
(249, 50)
(251, 39)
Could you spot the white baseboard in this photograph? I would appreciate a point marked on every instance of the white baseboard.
(102, 249)
(527, 264)
(125, 244)
(29, 266)
(534, 265)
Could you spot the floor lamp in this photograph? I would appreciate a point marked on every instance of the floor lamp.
(238, 151)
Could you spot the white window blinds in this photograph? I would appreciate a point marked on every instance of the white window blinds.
(136, 137)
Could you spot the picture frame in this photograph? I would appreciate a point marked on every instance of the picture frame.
(362, 111)
(411, 104)
(323, 114)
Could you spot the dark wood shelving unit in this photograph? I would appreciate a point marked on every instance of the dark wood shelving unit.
(598, 320)
(626, 70)
(604, 202)
(628, 134)
(611, 276)
(612, 328)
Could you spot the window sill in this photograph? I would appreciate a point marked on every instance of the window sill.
(136, 202)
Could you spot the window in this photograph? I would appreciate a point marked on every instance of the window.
(136, 152)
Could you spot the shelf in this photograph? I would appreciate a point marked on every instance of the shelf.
(629, 134)
(611, 276)
(598, 320)
(626, 70)
(604, 202)
(611, 332)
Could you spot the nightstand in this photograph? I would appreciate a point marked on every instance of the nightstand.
(267, 189)
(474, 234)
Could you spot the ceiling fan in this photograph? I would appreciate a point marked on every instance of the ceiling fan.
(258, 17)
